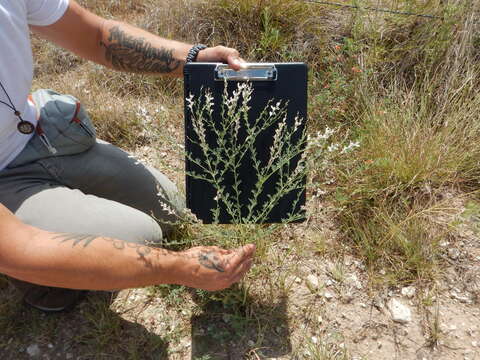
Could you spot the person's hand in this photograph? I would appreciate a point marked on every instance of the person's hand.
(212, 268)
(222, 54)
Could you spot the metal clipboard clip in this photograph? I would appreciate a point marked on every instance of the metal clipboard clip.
(251, 72)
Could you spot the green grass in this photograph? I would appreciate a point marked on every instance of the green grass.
(412, 105)
(405, 88)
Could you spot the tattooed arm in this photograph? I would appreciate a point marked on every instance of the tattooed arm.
(98, 263)
(124, 47)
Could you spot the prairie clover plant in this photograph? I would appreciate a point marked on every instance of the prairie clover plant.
(291, 156)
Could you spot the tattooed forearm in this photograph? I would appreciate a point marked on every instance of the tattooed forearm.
(208, 259)
(211, 261)
(135, 54)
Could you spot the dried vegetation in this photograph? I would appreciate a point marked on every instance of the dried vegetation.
(406, 88)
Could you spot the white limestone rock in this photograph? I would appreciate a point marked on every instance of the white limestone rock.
(408, 291)
(312, 282)
(328, 295)
(400, 312)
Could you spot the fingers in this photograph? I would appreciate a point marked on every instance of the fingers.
(222, 54)
(240, 255)
(242, 271)
(236, 62)
(233, 59)
(230, 56)
(241, 262)
(249, 250)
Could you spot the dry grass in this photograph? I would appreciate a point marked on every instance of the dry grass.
(416, 118)
(405, 88)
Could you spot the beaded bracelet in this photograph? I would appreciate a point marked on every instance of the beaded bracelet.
(193, 52)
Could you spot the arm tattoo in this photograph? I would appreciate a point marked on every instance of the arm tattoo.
(77, 238)
(129, 53)
(141, 250)
(210, 261)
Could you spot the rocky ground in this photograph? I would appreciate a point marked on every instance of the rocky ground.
(325, 308)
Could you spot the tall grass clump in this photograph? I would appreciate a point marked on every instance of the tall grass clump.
(417, 122)
(404, 146)
(420, 51)
(405, 162)
(267, 30)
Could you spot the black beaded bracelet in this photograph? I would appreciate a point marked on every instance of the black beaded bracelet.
(193, 52)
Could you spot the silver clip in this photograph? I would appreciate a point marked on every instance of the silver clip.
(251, 72)
(47, 144)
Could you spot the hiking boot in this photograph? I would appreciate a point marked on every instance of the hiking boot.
(48, 299)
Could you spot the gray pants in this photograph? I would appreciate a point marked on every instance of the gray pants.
(102, 191)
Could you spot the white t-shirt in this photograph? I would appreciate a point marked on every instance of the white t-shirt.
(16, 66)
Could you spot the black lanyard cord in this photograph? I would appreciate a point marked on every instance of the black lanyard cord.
(25, 127)
(11, 105)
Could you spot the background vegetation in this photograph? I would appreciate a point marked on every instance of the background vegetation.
(404, 87)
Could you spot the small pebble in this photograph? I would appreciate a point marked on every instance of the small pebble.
(33, 350)
(408, 291)
(312, 282)
(348, 298)
(328, 295)
(400, 312)
(453, 253)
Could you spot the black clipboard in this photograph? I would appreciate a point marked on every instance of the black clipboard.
(272, 83)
